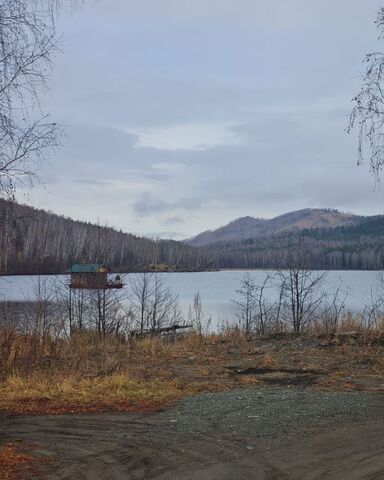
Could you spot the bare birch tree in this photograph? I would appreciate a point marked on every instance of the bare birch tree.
(27, 45)
(142, 291)
(368, 110)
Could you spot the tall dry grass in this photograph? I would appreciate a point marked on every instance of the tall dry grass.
(86, 369)
(86, 353)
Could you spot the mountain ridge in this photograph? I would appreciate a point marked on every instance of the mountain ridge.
(250, 227)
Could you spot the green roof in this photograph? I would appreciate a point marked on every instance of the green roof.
(88, 268)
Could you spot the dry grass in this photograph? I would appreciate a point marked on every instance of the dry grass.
(86, 374)
(58, 394)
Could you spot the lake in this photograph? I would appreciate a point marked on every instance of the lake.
(217, 289)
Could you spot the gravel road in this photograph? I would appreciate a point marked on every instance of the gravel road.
(253, 433)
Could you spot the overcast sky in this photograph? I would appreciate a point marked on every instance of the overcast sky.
(182, 115)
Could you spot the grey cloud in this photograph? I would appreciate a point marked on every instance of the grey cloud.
(279, 14)
(176, 220)
(280, 73)
(92, 153)
(90, 181)
(148, 204)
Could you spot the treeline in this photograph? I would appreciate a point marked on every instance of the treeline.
(358, 247)
(35, 241)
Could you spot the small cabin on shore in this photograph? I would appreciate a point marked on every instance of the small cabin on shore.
(92, 276)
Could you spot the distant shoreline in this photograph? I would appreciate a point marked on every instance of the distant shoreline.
(196, 271)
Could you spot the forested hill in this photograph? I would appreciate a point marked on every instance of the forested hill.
(250, 227)
(35, 241)
(356, 246)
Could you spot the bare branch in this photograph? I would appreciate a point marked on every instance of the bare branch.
(368, 111)
(27, 45)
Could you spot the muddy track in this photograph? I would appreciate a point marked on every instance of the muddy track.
(255, 433)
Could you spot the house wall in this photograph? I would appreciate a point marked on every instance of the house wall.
(89, 280)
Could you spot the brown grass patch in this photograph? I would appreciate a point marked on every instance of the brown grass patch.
(41, 393)
(86, 374)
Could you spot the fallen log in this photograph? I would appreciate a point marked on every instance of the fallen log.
(158, 331)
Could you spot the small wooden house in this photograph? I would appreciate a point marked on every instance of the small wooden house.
(92, 276)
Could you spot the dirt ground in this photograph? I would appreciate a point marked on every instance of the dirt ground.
(258, 432)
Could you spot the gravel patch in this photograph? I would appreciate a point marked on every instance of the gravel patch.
(268, 412)
(253, 433)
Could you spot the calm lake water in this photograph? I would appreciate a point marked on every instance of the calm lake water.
(217, 289)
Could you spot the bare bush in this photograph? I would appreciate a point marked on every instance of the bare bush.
(246, 304)
(302, 295)
(331, 311)
(256, 313)
(373, 313)
(197, 318)
(153, 304)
